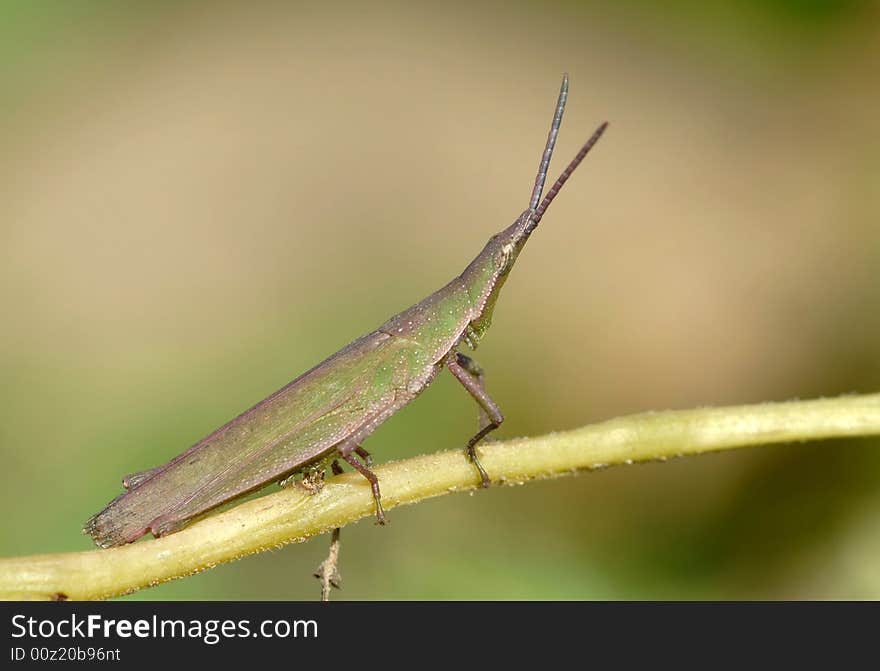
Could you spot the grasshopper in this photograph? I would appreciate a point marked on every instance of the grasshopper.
(325, 414)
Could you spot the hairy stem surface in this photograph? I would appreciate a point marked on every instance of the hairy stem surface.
(291, 515)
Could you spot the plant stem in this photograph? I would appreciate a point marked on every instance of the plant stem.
(291, 515)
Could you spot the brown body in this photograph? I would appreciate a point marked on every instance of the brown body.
(328, 411)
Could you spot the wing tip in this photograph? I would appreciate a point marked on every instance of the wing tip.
(112, 527)
(101, 536)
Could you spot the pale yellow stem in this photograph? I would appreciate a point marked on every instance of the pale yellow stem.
(291, 515)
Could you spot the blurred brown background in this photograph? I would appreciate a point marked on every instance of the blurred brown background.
(199, 201)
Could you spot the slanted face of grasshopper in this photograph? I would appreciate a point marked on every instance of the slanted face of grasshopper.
(327, 412)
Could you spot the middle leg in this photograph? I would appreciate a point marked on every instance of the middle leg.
(345, 451)
(328, 571)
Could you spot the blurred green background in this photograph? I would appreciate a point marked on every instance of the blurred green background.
(199, 201)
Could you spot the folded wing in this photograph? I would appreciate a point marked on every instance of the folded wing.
(298, 425)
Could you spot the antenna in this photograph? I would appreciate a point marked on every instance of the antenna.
(563, 178)
(551, 141)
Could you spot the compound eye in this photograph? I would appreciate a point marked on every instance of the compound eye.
(504, 257)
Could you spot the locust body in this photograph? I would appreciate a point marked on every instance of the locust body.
(327, 412)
